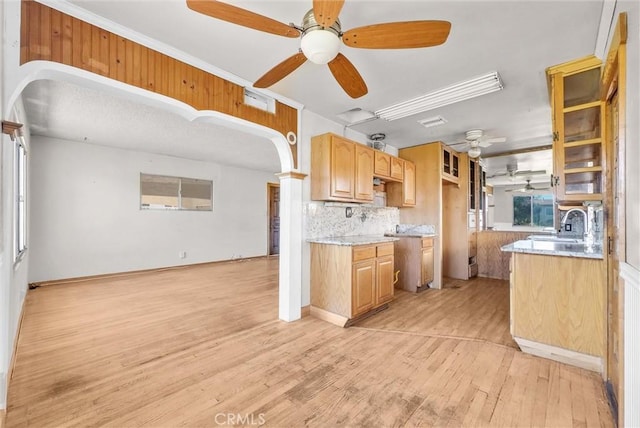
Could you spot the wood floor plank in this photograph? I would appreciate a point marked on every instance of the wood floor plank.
(195, 346)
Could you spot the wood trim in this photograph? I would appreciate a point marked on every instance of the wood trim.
(611, 63)
(3, 417)
(329, 317)
(135, 272)
(517, 152)
(49, 35)
(14, 349)
(562, 355)
(10, 128)
(291, 174)
(305, 311)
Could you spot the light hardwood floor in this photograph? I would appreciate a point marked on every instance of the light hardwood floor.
(195, 346)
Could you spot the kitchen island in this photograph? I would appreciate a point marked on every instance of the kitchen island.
(558, 300)
(351, 277)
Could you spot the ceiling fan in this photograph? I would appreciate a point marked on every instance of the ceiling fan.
(475, 139)
(512, 171)
(527, 188)
(321, 33)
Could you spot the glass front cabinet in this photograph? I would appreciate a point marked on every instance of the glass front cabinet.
(578, 130)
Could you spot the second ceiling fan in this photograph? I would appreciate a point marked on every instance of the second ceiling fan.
(321, 34)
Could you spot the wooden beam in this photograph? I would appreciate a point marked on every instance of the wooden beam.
(517, 152)
(611, 63)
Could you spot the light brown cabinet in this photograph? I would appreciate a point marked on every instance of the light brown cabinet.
(450, 164)
(341, 170)
(349, 281)
(558, 307)
(388, 167)
(414, 259)
(578, 130)
(403, 194)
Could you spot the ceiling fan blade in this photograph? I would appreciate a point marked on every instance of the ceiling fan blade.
(348, 77)
(236, 15)
(458, 144)
(281, 71)
(326, 11)
(498, 174)
(398, 35)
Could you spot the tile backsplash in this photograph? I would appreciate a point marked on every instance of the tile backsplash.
(328, 219)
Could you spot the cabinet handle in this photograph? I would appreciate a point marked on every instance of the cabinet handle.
(609, 245)
(551, 182)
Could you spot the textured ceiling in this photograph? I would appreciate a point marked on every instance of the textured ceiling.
(517, 38)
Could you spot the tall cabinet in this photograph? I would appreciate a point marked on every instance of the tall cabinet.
(578, 130)
(442, 199)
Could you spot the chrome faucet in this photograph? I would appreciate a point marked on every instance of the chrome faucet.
(587, 226)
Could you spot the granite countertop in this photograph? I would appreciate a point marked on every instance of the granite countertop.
(411, 235)
(554, 248)
(353, 240)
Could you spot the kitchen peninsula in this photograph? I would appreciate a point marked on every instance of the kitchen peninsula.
(558, 300)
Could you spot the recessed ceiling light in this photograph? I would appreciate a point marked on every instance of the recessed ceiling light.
(356, 115)
(432, 121)
(461, 91)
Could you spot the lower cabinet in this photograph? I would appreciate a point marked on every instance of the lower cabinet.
(414, 259)
(349, 281)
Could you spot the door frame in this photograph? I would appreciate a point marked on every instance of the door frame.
(614, 85)
(270, 186)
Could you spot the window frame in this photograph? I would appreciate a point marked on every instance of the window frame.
(532, 217)
(20, 176)
(179, 195)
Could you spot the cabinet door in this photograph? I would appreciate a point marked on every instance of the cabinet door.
(343, 159)
(397, 168)
(384, 279)
(382, 164)
(364, 173)
(427, 265)
(578, 150)
(409, 184)
(363, 287)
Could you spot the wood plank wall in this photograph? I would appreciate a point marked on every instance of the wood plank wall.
(492, 262)
(50, 35)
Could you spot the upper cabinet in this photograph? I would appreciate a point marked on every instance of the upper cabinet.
(450, 165)
(403, 194)
(341, 170)
(578, 127)
(388, 167)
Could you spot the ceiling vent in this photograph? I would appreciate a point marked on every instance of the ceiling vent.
(430, 122)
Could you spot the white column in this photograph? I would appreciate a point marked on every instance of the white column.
(290, 293)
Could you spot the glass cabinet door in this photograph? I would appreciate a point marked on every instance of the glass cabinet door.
(578, 140)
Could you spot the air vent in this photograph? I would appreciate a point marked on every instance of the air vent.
(259, 101)
(432, 121)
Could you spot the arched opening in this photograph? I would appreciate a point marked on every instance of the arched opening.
(67, 78)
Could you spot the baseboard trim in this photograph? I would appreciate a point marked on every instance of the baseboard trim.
(585, 361)
(136, 272)
(305, 311)
(15, 343)
(330, 317)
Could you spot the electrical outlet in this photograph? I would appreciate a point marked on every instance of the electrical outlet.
(182, 254)
(567, 227)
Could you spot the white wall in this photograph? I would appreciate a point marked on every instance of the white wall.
(86, 216)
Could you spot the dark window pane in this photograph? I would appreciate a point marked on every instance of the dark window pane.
(521, 210)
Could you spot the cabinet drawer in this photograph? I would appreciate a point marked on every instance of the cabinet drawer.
(427, 242)
(364, 252)
(385, 250)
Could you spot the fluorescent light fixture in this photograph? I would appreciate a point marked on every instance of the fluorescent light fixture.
(432, 121)
(442, 97)
(356, 115)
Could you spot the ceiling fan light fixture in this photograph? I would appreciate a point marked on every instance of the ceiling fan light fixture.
(320, 46)
(474, 152)
(455, 93)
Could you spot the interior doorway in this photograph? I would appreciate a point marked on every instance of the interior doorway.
(273, 218)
